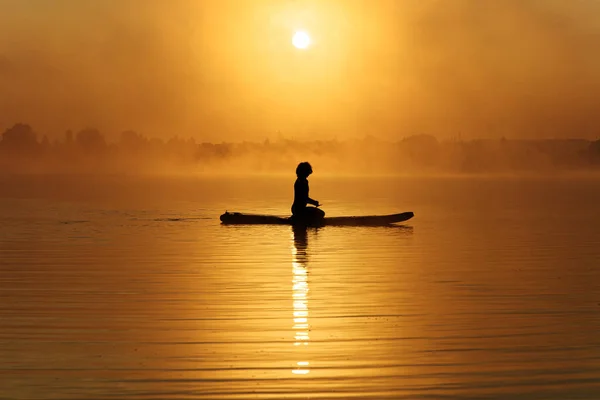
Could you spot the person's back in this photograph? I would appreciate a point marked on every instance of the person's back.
(300, 194)
(301, 197)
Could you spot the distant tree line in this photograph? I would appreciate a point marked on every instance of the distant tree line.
(22, 150)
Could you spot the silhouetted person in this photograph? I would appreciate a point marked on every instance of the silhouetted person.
(300, 211)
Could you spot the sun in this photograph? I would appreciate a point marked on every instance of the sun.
(301, 40)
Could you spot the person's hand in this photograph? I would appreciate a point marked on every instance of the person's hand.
(317, 204)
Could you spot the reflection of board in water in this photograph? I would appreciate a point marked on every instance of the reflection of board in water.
(236, 218)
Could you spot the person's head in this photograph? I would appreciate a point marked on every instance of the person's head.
(303, 170)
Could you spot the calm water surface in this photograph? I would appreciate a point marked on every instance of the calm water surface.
(130, 288)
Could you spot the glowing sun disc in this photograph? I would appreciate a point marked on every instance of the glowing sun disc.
(301, 40)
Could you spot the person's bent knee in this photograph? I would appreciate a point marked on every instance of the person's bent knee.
(316, 212)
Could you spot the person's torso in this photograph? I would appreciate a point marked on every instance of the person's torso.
(300, 192)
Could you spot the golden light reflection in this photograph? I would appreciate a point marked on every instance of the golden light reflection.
(300, 291)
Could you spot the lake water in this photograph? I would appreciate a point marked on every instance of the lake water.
(131, 288)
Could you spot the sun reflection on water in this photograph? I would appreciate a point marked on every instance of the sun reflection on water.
(300, 290)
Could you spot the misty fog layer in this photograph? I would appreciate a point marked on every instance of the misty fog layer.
(88, 151)
(226, 70)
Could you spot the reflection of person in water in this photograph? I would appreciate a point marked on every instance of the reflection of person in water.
(300, 211)
(300, 244)
(300, 300)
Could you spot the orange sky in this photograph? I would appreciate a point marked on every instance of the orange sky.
(226, 70)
